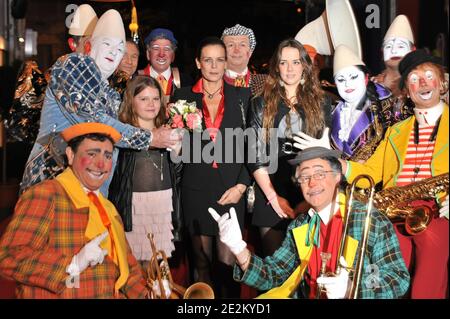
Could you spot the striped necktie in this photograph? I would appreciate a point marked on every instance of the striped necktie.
(314, 226)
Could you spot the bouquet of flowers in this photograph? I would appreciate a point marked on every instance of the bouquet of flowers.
(183, 114)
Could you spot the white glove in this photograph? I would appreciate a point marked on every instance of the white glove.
(229, 230)
(90, 255)
(303, 140)
(157, 291)
(443, 211)
(336, 287)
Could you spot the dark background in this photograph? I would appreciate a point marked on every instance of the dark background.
(271, 21)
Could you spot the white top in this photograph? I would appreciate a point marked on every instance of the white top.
(324, 214)
(166, 74)
(430, 115)
(349, 116)
(231, 74)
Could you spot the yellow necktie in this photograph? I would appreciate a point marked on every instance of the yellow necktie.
(162, 82)
(239, 81)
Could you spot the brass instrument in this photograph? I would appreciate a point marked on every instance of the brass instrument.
(357, 272)
(394, 202)
(357, 275)
(323, 271)
(158, 272)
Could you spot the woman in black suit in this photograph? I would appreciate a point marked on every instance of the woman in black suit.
(219, 183)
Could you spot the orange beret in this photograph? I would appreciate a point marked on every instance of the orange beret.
(88, 128)
(312, 52)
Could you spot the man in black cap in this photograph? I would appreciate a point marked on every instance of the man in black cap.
(295, 269)
(414, 150)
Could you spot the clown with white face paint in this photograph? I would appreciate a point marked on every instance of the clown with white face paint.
(360, 118)
(394, 49)
(79, 92)
(397, 42)
(415, 150)
(359, 121)
(107, 53)
(351, 84)
(108, 44)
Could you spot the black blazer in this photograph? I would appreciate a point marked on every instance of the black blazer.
(202, 175)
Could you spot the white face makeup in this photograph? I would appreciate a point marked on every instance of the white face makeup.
(107, 53)
(351, 84)
(395, 48)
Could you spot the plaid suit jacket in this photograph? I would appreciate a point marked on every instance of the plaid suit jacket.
(44, 234)
(383, 254)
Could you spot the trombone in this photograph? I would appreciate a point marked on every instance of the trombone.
(357, 272)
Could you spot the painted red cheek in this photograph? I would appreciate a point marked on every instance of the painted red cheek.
(434, 83)
(413, 87)
(85, 161)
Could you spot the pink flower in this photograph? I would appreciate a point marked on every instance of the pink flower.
(169, 109)
(193, 120)
(177, 121)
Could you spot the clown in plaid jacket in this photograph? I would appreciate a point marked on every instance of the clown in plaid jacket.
(48, 228)
(76, 94)
(283, 272)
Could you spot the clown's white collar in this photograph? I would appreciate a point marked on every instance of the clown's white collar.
(429, 116)
(232, 74)
(324, 214)
(166, 74)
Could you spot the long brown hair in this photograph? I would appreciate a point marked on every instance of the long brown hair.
(134, 87)
(309, 95)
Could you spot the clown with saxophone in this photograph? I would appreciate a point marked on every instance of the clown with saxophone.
(415, 151)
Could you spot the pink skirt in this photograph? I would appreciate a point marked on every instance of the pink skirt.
(151, 212)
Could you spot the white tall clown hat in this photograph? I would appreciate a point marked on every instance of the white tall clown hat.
(337, 25)
(84, 21)
(344, 57)
(400, 28)
(110, 24)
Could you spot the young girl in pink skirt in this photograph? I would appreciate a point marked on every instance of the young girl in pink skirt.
(144, 183)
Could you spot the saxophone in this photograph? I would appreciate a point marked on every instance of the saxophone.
(394, 202)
